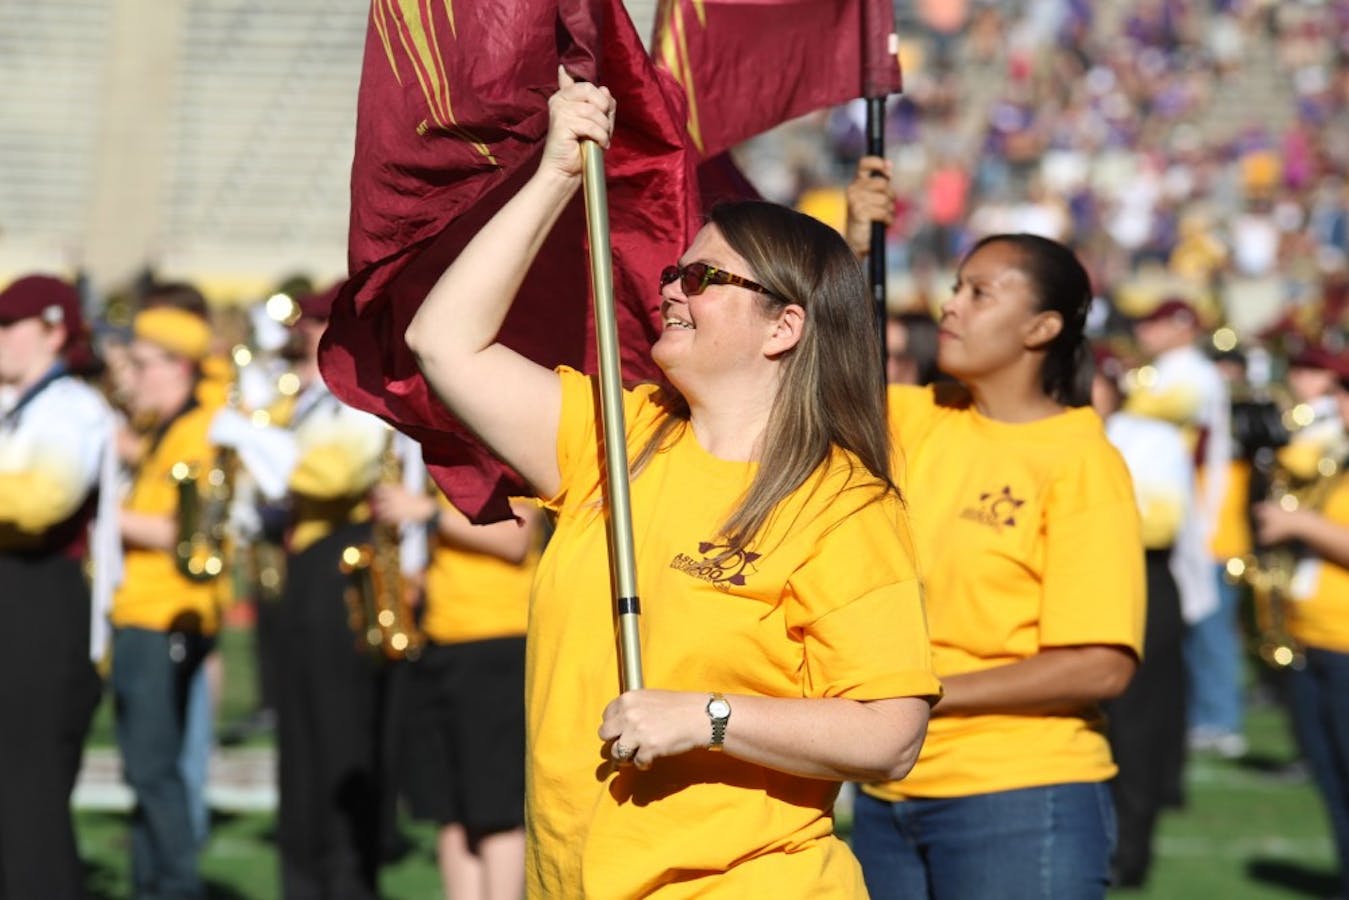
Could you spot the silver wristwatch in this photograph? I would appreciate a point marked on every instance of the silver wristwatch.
(719, 712)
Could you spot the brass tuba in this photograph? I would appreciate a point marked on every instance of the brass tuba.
(377, 603)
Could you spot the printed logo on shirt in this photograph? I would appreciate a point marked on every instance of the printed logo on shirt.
(996, 510)
(719, 566)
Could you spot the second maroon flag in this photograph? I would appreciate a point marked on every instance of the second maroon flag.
(747, 65)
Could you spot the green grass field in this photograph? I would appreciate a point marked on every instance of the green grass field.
(1251, 830)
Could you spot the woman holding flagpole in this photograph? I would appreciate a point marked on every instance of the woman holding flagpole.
(1030, 547)
(783, 634)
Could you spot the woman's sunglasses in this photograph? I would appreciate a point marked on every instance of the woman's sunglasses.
(695, 277)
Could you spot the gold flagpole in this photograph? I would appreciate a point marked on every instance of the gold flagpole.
(622, 558)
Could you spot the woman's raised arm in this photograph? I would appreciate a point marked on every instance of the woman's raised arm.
(511, 402)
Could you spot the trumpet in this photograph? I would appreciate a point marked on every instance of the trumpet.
(377, 603)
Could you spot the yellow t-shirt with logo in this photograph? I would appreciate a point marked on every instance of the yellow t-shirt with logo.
(1321, 618)
(1027, 538)
(153, 594)
(824, 604)
(475, 596)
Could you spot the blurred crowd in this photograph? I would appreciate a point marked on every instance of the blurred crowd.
(1181, 146)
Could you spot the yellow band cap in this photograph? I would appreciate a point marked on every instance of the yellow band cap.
(180, 332)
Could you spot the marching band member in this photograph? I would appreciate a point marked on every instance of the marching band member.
(55, 446)
(322, 457)
(464, 718)
(1146, 724)
(163, 621)
(211, 393)
(1318, 614)
(1184, 387)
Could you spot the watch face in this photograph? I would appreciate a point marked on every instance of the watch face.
(718, 709)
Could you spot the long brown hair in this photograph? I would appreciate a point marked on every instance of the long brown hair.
(832, 392)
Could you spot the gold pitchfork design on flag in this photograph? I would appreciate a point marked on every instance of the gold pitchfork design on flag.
(409, 21)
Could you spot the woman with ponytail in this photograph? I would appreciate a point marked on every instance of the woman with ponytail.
(1027, 538)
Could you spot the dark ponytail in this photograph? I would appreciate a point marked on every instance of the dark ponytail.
(1062, 286)
(1073, 388)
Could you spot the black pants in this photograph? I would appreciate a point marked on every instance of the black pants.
(1318, 697)
(48, 691)
(1147, 725)
(267, 622)
(330, 718)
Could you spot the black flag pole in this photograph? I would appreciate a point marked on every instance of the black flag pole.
(876, 256)
(881, 77)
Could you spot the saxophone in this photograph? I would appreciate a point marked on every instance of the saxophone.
(1270, 570)
(377, 603)
(202, 552)
(203, 505)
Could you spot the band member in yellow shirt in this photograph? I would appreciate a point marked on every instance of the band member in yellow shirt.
(163, 622)
(1318, 620)
(463, 721)
(1028, 540)
(55, 437)
(783, 638)
(212, 392)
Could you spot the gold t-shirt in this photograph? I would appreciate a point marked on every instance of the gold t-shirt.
(153, 593)
(475, 596)
(824, 603)
(1027, 538)
(1320, 616)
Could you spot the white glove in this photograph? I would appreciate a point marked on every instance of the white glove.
(269, 454)
(245, 522)
(229, 428)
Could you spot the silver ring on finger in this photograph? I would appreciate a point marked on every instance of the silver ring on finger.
(622, 753)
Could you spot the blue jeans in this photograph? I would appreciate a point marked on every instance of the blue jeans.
(1212, 651)
(1318, 698)
(1029, 844)
(198, 736)
(151, 675)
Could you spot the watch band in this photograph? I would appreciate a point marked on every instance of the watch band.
(718, 722)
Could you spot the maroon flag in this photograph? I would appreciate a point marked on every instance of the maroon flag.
(450, 121)
(747, 65)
